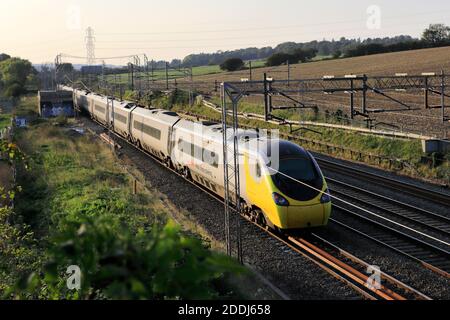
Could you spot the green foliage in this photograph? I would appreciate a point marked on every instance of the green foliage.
(17, 247)
(14, 73)
(18, 253)
(66, 68)
(295, 56)
(279, 58)
(11, 153)
(117, 264)
(437, 34)
(79, 205)
(5, 120)
(232, 64)
(337, 54)
(4, 56)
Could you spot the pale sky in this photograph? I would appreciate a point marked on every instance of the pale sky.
(40, 29)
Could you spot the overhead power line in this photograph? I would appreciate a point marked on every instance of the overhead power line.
(266, 27)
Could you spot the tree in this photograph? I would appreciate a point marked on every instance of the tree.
(436, 34)
(337, 54)
(66, 68)
(278, 59)
(176, 63)
(304, 55)
(295, 56)
(14, 73)
(4, 56)
(232, 64)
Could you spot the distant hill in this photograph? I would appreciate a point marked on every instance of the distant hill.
(324, 48)
(412, 62)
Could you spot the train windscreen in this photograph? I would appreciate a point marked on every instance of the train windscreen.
(302, 169)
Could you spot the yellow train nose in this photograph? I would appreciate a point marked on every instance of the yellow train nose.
(307, 216)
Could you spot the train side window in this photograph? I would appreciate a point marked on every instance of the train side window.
(137, 125)
(185, 147)
(100, 108)
(120, 118)
(258, 170)
(211, 158)
(197, 152)
(153, 132)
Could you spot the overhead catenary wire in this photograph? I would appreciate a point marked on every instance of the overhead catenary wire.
(103, 58)
(358, 207)
(267, 28)
(221, 44)
(264, 36)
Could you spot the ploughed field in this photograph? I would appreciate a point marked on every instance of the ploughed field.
(413, 62)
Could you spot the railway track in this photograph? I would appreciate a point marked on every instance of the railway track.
(337, 262)
(348, 268)
(416, 191)
(412, 217)
(427, 254)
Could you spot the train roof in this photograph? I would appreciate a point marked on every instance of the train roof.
(160, 115)
(213, 131)
(273, 149)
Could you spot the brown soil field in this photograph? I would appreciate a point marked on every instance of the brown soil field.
(427, 122)
(412, 62)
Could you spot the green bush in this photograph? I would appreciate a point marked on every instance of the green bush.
(117, 264)
(80, 207)
(232, 64)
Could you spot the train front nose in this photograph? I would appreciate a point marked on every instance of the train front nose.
(308, 216)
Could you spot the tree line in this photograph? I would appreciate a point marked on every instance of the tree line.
(435, 35)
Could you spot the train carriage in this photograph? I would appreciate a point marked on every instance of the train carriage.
(120, 115)
(99, 108)
(198, 153)
(81, 100)
(151, 129)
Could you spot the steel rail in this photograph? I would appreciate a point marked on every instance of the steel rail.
(428, 255)
(404, 187)
(364, 264)
(439, 223)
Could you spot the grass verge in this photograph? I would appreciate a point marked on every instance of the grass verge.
(77, 207)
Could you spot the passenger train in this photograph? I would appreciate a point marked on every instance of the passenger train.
(292, 196)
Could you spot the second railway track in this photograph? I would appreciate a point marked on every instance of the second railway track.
(393, 210)
(439, 197)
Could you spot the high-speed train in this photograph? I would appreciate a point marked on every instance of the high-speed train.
(286, 190)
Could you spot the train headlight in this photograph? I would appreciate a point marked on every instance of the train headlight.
(325, 197)
(280, 200)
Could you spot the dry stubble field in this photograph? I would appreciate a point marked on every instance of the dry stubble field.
(412, 62)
